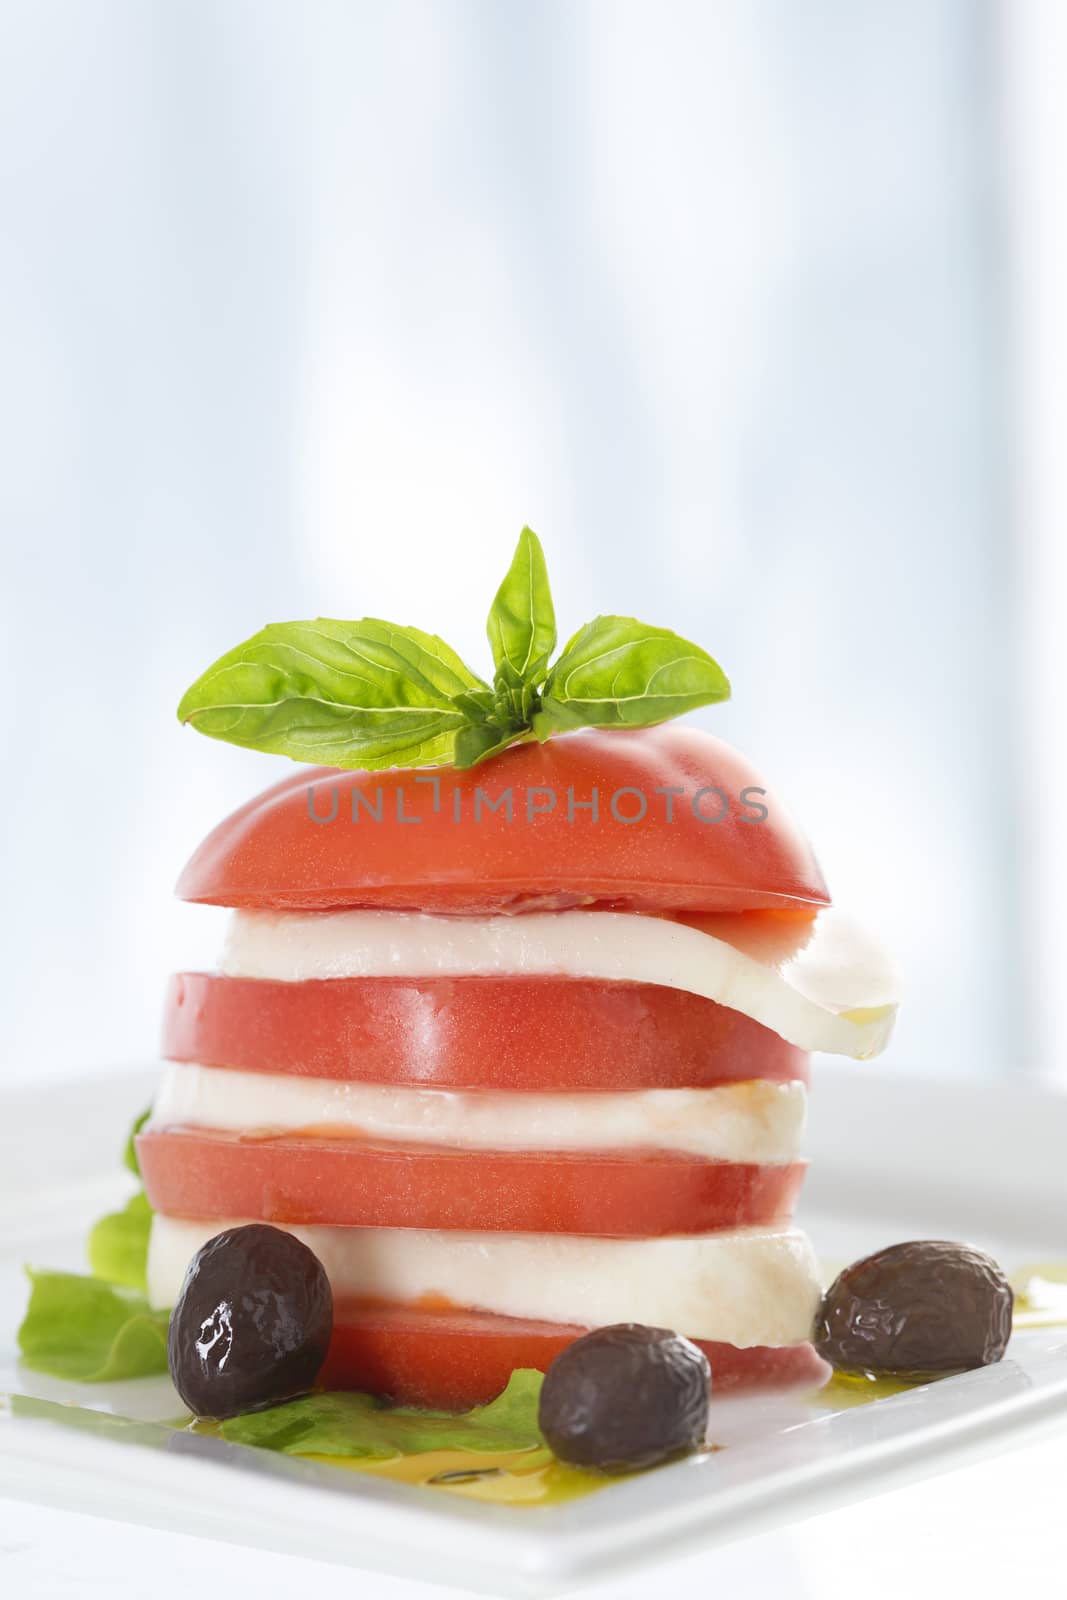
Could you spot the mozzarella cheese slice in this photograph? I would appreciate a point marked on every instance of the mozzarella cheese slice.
(752, 1122)
(756, 1286)
(821, 982)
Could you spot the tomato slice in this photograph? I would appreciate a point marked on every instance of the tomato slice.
(675, 829)
(453, 1360)
(348, 1183)
(472, 1032)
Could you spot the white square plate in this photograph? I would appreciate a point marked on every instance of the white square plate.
(891, 1160)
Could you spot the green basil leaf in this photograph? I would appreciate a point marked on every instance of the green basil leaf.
(89, 1331)
(358, 1425)
(620, 673)
(477, 743)
(118, 1244)
(522, 620)
(428, 657)
(347, 694)
(477, 704)
(553, 716)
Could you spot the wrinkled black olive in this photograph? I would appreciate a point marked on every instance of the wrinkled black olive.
(625, 1397)
(252, 1324)
(918, 1310)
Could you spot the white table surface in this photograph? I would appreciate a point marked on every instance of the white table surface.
(992, 1529)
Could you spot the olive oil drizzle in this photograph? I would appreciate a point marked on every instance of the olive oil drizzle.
(1040, 1295)
(516, 1477)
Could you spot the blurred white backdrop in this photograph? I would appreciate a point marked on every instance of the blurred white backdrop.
(305, 308)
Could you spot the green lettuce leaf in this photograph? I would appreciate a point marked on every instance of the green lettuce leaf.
(358, 1425)
(129, 1155)
(89, 1331)
(118, 1244)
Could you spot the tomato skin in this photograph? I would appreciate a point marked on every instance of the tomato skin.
(452, 1360)
(518, 1033)
(347, 1183)
(271, 853)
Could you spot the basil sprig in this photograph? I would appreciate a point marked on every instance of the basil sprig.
(371, 694)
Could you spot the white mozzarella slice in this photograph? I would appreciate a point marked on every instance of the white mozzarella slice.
(753, 1122)
(818, 982)
(758, 1286)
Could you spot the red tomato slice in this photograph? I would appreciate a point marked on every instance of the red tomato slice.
(452, 1360)
(346, 1183)
(472, 1033)
(678, 827)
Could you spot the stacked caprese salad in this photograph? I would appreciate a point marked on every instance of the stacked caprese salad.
(519, 1049)
(503, 1072)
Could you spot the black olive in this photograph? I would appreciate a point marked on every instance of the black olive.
(915, 1311)
(252, 1324)
(625, 1397)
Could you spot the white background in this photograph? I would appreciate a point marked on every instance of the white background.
(754, 310)
(750, 309)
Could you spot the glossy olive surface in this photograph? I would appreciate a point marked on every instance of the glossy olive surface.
(917, 1310)
(252, 1324)
(625, 1397)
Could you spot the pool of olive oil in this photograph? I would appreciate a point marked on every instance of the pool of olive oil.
(513, 1478)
